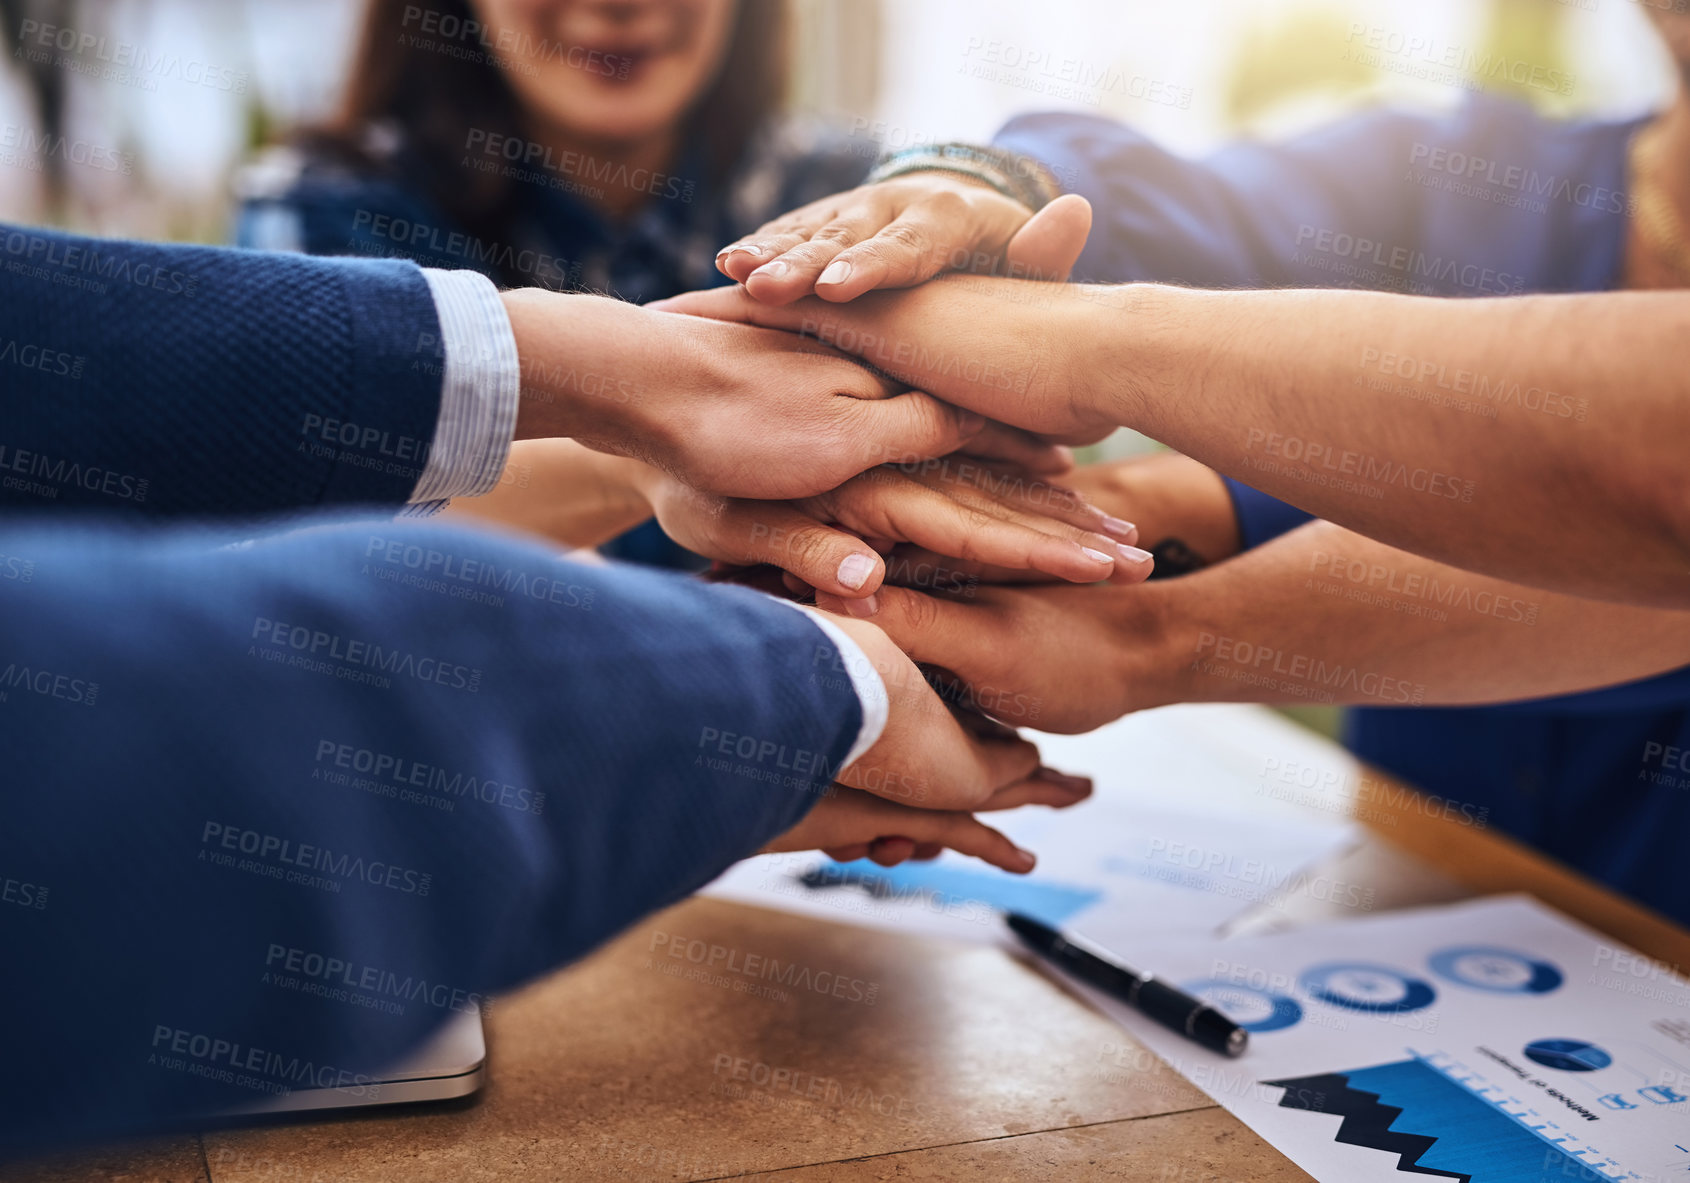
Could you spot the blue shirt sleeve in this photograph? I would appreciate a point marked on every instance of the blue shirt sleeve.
(1261, 518)
(1490, 200)
(430, 755)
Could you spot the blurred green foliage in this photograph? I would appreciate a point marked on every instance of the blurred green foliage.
(1529, 31)
(1285, 59)
(1295, 55)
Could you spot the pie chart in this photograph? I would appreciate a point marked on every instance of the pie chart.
(1568, 1055)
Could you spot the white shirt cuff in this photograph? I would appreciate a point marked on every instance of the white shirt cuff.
(478, 389)
(865, 680)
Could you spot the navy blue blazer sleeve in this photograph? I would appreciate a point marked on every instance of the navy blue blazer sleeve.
(273, 811)
(174, 379)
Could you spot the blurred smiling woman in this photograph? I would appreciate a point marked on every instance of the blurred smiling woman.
(579, 145)
(606, 145)
(614, 146)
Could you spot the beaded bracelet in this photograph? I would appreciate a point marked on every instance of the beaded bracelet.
(1020, 178)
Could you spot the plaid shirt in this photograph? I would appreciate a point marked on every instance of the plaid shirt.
(556, 238)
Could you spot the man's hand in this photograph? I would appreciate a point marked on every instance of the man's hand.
(730, 409)
(1054, 657)
(933, 758)
(1025, 354)
(903, 232)
(853, 824)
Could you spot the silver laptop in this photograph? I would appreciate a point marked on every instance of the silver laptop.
(450, 1065)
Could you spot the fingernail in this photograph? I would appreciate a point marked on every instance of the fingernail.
(743, 248)
(837, 271)
(1096, 556)
(773, 270)
(855, 570)
(1135, 556)
(969, 422)
(1119, 528)
(864, 608)
(1023, 861)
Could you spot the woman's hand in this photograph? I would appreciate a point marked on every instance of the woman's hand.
(1183, 512)
(729, 409)
(1175, 500)
(902, 232)
(958, 508)
(970, 512)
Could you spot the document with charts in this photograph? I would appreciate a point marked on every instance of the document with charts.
(1184, 835)
(1494, 1041)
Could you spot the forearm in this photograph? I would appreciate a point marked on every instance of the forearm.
(415, 750)
(561, 490)
(1490, 434)
(1471, 449)
(1325, 615)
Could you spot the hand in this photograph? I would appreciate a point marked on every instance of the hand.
(853, 824)
(902, 232)
(1034, 356)
(1183, 510)
(559, 490)
(894, 843)
(955, 508)
(729, 409)
(1177, 502)
(1062, 659)
(934, 758)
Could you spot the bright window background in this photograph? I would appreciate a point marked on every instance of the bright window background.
(1263, 66)
(1191, 73)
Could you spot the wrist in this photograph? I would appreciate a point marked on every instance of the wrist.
(1145, 665)
(1137, 330)
(573, 352)
(627, 486)
(1152, 663)
(641, 482)
(930, 175)
(561, 490)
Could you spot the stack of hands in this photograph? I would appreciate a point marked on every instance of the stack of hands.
(758, 446)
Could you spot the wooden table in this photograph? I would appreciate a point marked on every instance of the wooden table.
(966, 1064)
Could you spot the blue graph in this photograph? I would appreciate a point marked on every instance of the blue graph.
(1044, 900)
(1431, 1124)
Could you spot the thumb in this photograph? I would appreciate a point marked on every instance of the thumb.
(830, 560)
(945, 633)
(905, 428)
(1049, 245)
(732, 304)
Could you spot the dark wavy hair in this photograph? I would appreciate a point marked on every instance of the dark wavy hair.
(436, 97)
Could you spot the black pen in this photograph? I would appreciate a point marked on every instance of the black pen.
(1167, 1005)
